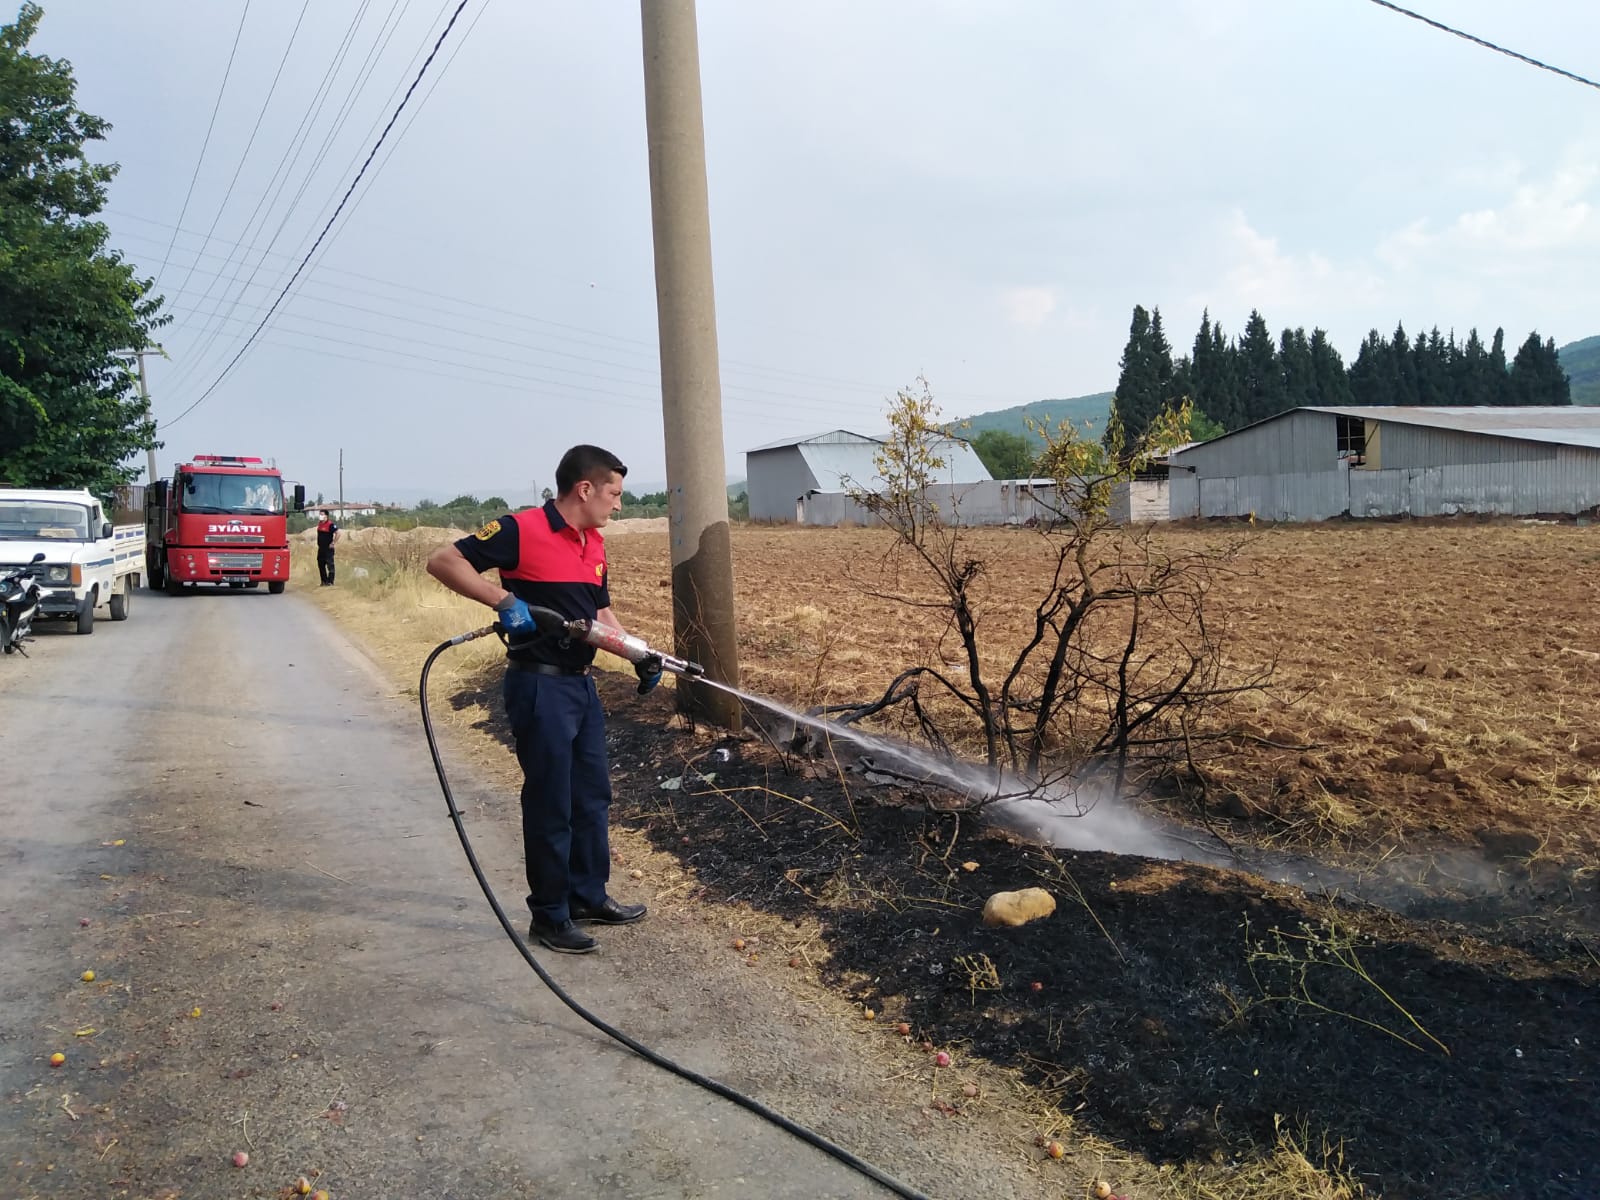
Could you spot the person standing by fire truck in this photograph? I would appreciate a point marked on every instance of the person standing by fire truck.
(327, 535)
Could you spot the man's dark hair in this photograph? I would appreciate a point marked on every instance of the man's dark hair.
(326, 513)
(586, 462)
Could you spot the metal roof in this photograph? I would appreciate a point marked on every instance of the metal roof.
(828, 437)
(1561, 425)
(838, 464)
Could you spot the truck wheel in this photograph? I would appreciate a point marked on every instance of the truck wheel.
(154, 577)
(86, 613)
(174, 587)
(122, 599)
(276, 586)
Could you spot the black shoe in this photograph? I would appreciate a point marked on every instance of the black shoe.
(565, 938)
(609, 913)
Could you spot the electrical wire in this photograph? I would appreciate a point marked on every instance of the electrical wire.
(1487, 45)
(748, 1103)
(251, 141)
(199, 162)
(523, 322)
(278, 179)
(251, 339)
(197, 362)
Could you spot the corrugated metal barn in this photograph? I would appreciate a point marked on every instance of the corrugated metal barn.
(779, 475)
(1311, 464)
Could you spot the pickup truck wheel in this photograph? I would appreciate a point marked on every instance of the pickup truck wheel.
(122, 599)
(86, 613)
(276, 586)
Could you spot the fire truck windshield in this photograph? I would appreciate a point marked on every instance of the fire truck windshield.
(244, 495)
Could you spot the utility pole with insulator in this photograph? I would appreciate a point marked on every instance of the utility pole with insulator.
(691, 382)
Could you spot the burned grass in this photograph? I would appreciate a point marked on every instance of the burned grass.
(1212, 1033)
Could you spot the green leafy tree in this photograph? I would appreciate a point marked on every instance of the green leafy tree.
(70, 309)
(1005, 455)
(498, 503)
(1202, 428)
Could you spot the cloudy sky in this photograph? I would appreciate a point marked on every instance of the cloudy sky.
(977, 191)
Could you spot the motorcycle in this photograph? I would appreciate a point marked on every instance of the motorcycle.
(19, 601)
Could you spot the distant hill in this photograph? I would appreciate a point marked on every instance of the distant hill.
(1082, 411)
(1581, 361)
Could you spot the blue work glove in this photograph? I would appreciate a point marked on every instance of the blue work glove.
(648, 669)
(516, 622)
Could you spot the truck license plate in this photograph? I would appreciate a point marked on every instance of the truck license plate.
(236, 579)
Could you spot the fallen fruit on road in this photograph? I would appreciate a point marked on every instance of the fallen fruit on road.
(195, 1011)
(903, 1029)
(1054, 1149)
(84, 921)
(241, 1159)
(57, 1059)
(969, 1090)
(302, 1186)
(869, 1014)
(87, 977)
(1102, 1190)
(1036, 986)
(941, 1059)
(321, 1196)
(738, 943)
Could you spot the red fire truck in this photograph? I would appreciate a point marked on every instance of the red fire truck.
(220, 519)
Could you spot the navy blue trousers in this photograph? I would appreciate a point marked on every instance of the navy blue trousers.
(560, 732)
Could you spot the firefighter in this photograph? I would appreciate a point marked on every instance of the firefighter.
(554, 557)
(327, 535)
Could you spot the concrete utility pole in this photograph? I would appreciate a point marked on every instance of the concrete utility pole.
(691, 382)
(144, 394)
(341, 483)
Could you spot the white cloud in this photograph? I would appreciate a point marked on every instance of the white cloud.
(1029, 307)
(1555, 216)
(1257, 272)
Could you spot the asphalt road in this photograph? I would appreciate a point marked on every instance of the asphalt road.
(292, 958)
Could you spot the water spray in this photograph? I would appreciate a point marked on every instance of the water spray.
(635, 650)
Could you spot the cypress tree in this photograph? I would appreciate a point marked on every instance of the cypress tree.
(1496, 377)
(1369, 383)
(1330, 385)
(1260, 382)
(1294, 364)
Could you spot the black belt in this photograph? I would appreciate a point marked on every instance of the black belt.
(539, 668)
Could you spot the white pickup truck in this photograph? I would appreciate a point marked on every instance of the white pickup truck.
(88, 561)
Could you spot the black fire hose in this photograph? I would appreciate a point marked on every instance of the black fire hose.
(639, 1048)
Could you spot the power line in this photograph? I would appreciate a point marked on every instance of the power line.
(348, 191)
(1487, 45)
(627, 346)
(226, 71)
(277, 179)
(198, 366)
(255, 129)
